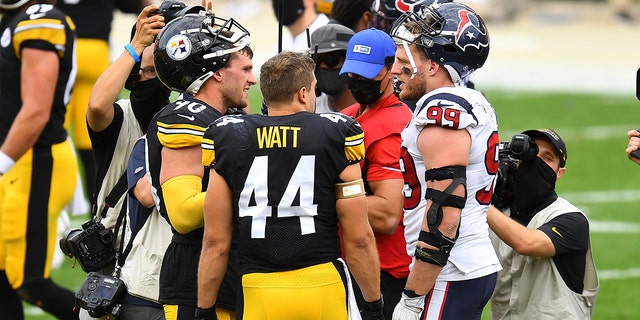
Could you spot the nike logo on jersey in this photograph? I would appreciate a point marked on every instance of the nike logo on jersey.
(555, 230)
(190, 118)
(138, 169)
(444, 105)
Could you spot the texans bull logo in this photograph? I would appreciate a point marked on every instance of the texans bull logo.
(470, 31)
(408, 5)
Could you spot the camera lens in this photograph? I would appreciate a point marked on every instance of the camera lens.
(523, 147)
(65, 245)
(106, 236)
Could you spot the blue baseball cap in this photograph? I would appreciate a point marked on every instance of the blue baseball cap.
(368, 51)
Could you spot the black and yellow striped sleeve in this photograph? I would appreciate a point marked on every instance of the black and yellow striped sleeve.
(45, 33)
(179, 135)
(354, 143)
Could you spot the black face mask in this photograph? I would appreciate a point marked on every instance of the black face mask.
(292, 10)
(365, 91)
(535, 183)
(147, 98)
(330, 81)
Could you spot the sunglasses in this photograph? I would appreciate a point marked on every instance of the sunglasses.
(330, 60)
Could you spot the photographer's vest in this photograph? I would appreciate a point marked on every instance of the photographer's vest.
(141, 270)
(532, 288)
(127, 136)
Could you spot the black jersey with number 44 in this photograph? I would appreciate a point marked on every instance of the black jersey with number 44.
(282, 171)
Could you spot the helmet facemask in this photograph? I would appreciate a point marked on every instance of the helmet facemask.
(450, 34)
(12, 4)
(417, 29)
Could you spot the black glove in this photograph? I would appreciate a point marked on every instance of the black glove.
(206, 314)
(505, 185)
(372, 310)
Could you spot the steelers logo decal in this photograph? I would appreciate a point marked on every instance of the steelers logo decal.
(178, 47)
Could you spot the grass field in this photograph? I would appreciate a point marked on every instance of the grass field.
(600, 180)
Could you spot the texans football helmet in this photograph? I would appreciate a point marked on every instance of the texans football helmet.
(190, 48)
(451, 34)
(11, 4)
(385, 12)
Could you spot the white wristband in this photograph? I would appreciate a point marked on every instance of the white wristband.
(6, 163)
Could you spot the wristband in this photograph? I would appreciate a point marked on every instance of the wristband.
(206, 314)
(132, 52)
(377, 305)
(410, 293)
(6, 163)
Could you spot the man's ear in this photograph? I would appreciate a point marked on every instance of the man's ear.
(366, 18)
(303, 95)
(218, 75)
(433, 66)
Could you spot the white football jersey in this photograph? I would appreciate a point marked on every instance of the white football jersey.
(463, 109)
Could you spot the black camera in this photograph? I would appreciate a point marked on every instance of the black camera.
(521, 147)
(100, 295)
(92, 246)
(170, 9)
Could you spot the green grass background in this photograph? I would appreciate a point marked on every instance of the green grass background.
(594, 129)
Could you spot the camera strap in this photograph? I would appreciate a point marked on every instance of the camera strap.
(121, 255)
(121, 224)
(112, 198)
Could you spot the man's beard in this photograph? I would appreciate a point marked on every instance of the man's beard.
(414, 91)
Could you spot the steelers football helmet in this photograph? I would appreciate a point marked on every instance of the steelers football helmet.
(451, 34)
(190, 48)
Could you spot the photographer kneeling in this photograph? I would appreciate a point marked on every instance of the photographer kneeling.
(541, 239)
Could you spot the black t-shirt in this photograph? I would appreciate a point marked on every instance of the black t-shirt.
(570, 236)
(104, 145)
